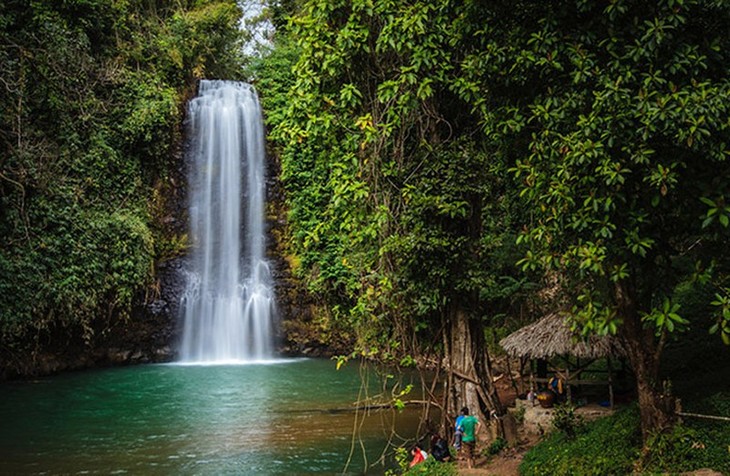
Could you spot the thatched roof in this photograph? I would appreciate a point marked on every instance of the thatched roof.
(551, 336)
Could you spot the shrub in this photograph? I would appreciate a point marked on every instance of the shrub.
(566, 421)
(608, 446)
(497, 445)
(519, 415)
(612, 445)
(674, 450)
(430, 467)
(696, 443)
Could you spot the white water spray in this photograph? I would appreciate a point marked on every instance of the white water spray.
(229, 300)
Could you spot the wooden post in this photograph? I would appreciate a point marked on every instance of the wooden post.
(533, 384)
(610, 382)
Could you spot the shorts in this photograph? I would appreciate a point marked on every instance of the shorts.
(468, 449)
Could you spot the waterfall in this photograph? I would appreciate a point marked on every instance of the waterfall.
(229, 303)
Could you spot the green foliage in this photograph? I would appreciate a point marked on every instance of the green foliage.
(432, 467)
(722, 325)
(401, 459)
(180, 41)
(665, 318)
(706, 442)
(394, 211)
(621, 140)
(429, 467)
(696, 443)
(90, 112)
(673, 451)
(612, 445)
(496, 446)
(147, 121)
(566, 421)
(608, 446)
(519, 415)
(86, 263)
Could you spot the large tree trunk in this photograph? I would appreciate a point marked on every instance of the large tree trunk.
(469, 381)
(656, 404)
(466, 359)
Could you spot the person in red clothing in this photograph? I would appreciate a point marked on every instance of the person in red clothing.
(418, 456)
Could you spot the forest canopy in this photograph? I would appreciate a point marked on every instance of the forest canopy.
(456, 167)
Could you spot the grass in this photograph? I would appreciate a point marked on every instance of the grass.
(431, 467)
(608, 446)
(612, 445)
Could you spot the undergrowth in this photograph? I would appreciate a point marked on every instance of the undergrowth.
(697, 443)
(612, 445)
(430, 467)
(608, 446)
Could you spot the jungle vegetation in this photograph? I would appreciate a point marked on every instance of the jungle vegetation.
(452, 169)
(92, 96)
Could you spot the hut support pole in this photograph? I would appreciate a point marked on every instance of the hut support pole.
(610, 382)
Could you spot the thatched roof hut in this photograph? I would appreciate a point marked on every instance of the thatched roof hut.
(551, 336)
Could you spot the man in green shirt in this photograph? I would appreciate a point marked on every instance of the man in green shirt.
(470, 426)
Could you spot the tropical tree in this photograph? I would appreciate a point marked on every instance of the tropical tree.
(624, 164)
(404, 117)
(402, 218)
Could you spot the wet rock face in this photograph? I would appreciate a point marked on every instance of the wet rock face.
(152, 332)
(298, 331)
(165, 308)
(148, 335)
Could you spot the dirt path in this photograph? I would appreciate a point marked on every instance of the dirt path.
(497, 466)
(506, 463)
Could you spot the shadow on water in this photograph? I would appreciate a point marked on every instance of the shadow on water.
(292, 417)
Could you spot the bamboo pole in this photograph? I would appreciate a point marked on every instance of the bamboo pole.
(706, 417)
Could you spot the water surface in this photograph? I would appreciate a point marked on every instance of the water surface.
(290, 417)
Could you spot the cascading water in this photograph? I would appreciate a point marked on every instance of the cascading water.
(229, 302)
